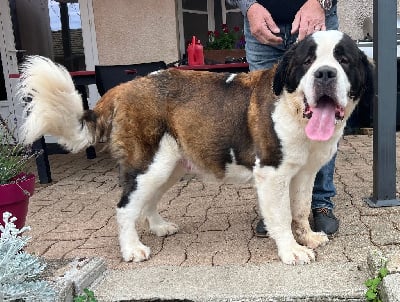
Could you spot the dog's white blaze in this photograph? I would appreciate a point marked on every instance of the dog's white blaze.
(326, 41)
(231, 77)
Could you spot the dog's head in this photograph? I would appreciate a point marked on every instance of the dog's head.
(331, 74)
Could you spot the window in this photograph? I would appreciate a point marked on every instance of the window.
(197, 17)
(67, 42)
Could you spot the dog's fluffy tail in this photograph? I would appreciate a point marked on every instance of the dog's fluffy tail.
(53, 106)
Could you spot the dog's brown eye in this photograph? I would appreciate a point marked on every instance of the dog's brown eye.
(307, 61)
(343, 61)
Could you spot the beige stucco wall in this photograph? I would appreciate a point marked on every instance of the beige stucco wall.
(139, 31)
(144, 31)
(352, 14)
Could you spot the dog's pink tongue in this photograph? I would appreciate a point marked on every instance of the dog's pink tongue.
(322, 123)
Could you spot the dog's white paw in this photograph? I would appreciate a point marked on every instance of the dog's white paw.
(164, 229)
(136, 253)
(297, 254)
(315, 239)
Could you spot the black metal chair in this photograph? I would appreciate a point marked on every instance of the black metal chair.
(109, 76)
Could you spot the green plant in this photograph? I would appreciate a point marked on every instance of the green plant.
(19, 271)
(13, 156)
(225, 39)
(373, 284)
(87, 296)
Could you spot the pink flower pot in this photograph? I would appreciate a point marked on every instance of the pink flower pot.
(14, 197)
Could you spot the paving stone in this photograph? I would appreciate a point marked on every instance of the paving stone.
(61, 248)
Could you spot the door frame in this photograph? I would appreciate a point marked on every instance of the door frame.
(8, 108)
(89, 45)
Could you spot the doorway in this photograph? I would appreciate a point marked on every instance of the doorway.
(50, 28)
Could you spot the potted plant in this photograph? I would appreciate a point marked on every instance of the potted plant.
(225, 45)
(16, 186)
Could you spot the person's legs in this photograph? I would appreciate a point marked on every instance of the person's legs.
(321, 204)
(331, 19)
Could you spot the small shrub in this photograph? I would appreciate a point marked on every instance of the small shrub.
(19, 271)
(373, 285)
(87, 296)
(225, 39)
(13, 156)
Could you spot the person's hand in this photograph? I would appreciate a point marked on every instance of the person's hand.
(309, 19)
(262, 26)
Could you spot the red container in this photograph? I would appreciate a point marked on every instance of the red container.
(195, 53)
(14, 198)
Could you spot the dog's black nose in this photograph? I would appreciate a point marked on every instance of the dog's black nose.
(325, 74)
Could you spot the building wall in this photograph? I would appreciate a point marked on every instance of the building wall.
(139, 31)
(144, 31)
(352, 15)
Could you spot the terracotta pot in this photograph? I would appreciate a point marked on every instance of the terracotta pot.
(14, 197)
(219, 56)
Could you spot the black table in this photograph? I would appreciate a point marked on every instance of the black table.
(228, 67)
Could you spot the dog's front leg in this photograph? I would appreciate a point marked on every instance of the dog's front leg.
(300, 195)
(273, 194)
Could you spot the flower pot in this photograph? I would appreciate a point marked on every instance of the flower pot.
(219, 56)
(14, 197)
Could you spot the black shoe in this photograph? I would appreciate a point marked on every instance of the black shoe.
(325, 221)
(261, 230)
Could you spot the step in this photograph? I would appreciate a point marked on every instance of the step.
(318, 281)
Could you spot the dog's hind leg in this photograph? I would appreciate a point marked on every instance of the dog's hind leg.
(141, 189)
(128, 212)
(157, 224)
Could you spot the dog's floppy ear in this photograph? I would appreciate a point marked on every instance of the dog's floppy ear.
(282, 72)
(280, 76)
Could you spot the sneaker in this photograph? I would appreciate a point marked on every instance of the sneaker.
(261, 230)
(325, 221)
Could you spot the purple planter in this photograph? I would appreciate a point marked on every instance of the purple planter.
(14, 197)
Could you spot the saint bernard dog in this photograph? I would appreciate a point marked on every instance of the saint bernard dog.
(274, 128)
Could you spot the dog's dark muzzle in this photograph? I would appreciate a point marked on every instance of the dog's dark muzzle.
(325, 75)
(325, 79)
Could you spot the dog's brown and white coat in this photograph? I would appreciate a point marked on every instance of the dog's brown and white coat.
(275, 128)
